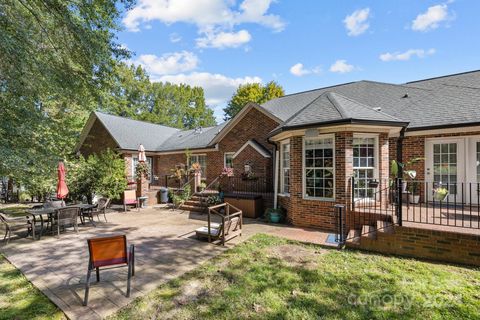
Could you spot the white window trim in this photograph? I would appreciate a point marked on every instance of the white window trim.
(282, 143)
(151, 167)
(225, 158)
(376, 153)
(304, 180)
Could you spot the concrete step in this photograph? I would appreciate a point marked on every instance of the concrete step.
(353, 237)
(369, 232)
(384, 226)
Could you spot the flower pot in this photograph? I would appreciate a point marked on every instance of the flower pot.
(373, 184)
(440, 194)
(274, 217)
(413, 199)
(404, 186)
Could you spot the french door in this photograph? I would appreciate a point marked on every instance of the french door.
(445, 167)
(473, 170)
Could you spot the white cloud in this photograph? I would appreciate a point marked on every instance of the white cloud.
(168, 63)
(299, 70)
(224, 39)
(215, 19)
(175, 37)
(341, 66)
(403, 56)
(357, 23)
(218, 88)
(432, 18)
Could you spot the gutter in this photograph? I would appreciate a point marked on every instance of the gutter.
(342, 121)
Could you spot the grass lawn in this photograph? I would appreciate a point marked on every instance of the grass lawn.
(273, 278)
(19, 299)
(16, 211)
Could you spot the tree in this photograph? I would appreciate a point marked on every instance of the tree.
(130, 93)
(252, 92)
(54, 56)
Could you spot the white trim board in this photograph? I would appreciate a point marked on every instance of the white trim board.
(255, 146)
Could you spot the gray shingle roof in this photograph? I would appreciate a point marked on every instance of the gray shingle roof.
(129, 134)
(449, 100)
(331, 106)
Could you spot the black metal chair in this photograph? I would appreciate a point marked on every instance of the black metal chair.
(109, 252)
(65, 217)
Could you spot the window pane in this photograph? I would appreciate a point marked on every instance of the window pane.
(319, 163)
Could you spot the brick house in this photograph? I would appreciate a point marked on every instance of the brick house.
(310, 144)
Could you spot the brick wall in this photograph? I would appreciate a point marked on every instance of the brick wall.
(98, 140)
(429, 244)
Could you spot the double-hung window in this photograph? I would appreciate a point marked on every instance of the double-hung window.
(228, 159)
(202, 160)
(364, 165)
(319, 167)
(285, 167)
(150, 166)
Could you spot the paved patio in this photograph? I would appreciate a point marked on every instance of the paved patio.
(165, 247)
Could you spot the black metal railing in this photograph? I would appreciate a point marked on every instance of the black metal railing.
(416, 201)
(444, 204)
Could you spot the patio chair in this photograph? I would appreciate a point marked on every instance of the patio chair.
(15, 224)
(64, 218)
(229, 227)
(130, 198)
(109, 252)
(101, 208)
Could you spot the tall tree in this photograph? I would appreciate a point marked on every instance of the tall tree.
(130, 93)
(54, 55)
(252, 92)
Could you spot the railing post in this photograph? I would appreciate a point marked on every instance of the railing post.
(399, 200)
(340, 212)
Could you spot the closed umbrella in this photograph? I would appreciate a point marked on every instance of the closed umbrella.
(62, 189)
(141, 154)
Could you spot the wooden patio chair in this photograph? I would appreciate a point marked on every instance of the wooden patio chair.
(15, 224)
(228, 228)
(130, 198)
(109, 252)
(64, 218)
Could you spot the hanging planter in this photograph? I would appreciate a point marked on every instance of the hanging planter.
(373, 184)
(142, 170)
(440, 194)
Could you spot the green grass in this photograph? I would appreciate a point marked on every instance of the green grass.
(16, 211)
(272, 278)
(19, 299)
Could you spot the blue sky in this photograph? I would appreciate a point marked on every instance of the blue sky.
(219, 44)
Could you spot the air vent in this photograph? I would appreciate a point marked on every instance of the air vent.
(405, 95)
(377, 109)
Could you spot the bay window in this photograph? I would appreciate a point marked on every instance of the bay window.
(319, 167)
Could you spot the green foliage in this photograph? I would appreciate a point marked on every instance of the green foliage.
(102, 174)
(213, 200)
(179, 197)
(130, 93)
(54, 57)
(142, 170)
(252, 92)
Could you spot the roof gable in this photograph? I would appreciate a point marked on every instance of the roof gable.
(255, 145)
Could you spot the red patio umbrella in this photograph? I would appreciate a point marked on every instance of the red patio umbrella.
(62, 189)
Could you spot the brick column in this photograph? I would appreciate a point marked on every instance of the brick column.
(142, 187)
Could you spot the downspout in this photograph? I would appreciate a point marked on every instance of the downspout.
(275, 173)
(400, 175)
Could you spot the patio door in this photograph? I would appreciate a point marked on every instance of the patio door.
(445, 167)
(473, 170)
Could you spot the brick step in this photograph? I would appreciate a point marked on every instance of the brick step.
(369, 232)
(384, 227)
(353, 237)
(196, 203)
(192, 208)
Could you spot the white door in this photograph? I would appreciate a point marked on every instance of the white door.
(445, 167)
(473, 170)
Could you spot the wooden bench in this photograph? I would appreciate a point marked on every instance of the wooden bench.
(229, 227)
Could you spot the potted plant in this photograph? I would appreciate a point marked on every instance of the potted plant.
(407, 173)
(413, 197)
(274, 215)
(202, 186)
(440, 193)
